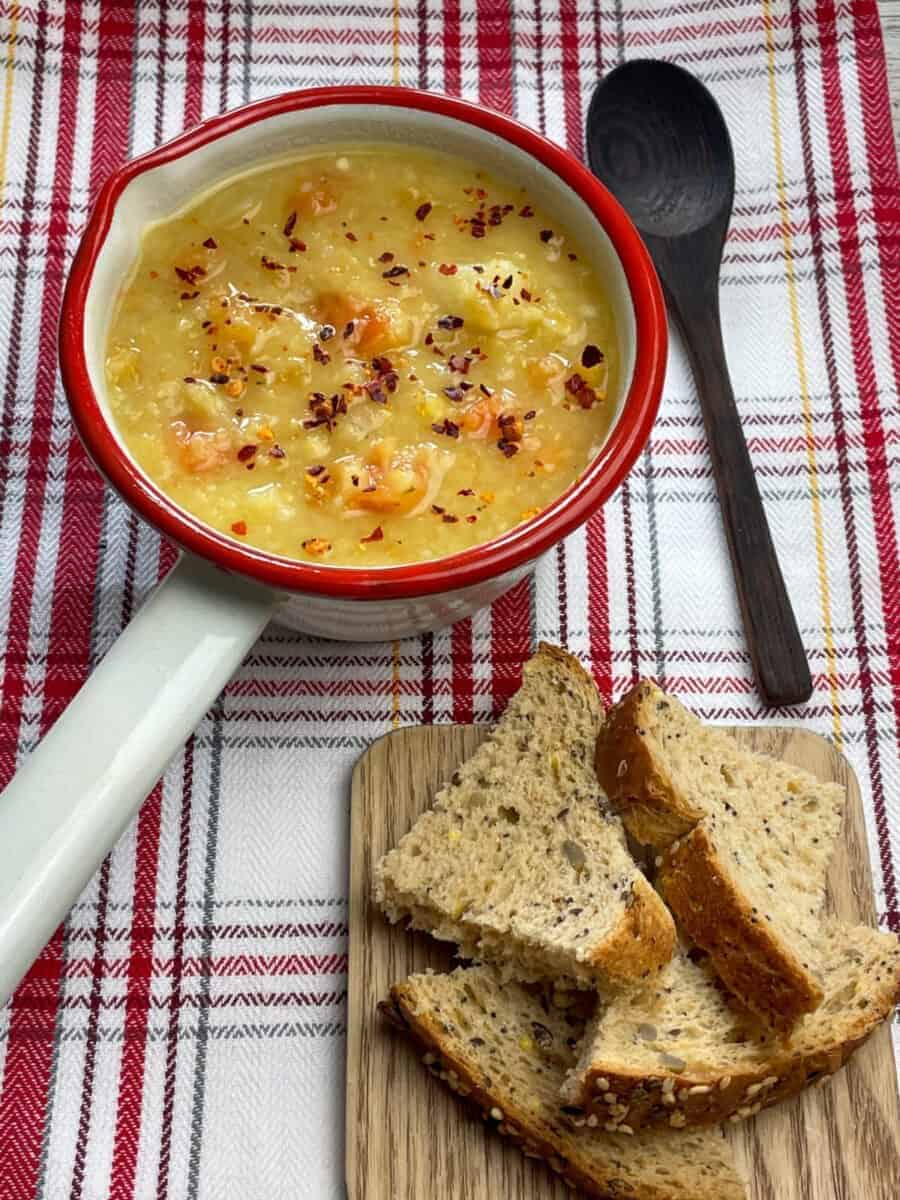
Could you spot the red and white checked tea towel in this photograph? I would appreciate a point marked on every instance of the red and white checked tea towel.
(182, 1035)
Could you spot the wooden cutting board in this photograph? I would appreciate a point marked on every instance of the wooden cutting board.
(409, 1139)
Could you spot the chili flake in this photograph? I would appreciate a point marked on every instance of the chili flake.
(465, 492)
(450, 322)
(447, 427)
(436, 508)
(530, 415)
(546, 235)
(454, 393)
(449, 518)
(316, 546)
(289, 225)
(376, 535)
(211, 243)
(386, 257)
(591, 356)
(326, 333)
(458, 362)
(526, 211)
(422, 211)
(393, 272)
(448, 268)
(348, 329)
(239, 527)
(276, 451)
(315, 469)
(189, 295)
(218, 377)
(507, 448)
(298, 245)
(246, 452)
(270, 264)
(471, 519)
(351, 237)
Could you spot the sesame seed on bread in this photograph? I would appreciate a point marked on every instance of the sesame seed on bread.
(742, 840)
(684, 1053)
(520, 861)
(507, 1048)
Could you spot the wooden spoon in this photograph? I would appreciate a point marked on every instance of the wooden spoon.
(657, 139)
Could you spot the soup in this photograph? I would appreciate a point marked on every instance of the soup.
(364, 357)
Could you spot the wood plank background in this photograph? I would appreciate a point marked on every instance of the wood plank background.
(409, 1139)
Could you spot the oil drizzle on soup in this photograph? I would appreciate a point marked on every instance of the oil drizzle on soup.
(365, 357)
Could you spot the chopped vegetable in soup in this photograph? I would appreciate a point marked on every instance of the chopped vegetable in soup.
(364, 357)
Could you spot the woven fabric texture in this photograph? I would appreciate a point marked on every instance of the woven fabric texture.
(182, 1035)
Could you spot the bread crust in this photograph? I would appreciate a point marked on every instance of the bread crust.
(632, 776)
(752, 963)
(643, 942)
(517, 1125)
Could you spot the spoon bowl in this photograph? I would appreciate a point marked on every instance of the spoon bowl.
(659, 142)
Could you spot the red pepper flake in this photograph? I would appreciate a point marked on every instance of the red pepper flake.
(348, 329)
(526, 211)
(466, 492)
(190, 274)
(436, 508)
(259, 367)
(591, 356)
(447, 427)
(154, 274)
(354, 479)
(530, 415)
(270, 264)
(572, 257)
(350, 236)
(189, 379)
(448, 268)
(298, 246)
(477, 228)
(376, 535)
(525, 294)
(394, 272)
(320, 355)
(246, 453)
(239, 527)
(189, 295)
(386, 257)
(289, 225)
(315, 469)
(326, 333)
(218, 377)
(422, 211)
(546, 235)
(507, 282)
(458, 362)
(507, 448)
(485, 390)
(449, 518)
(238, 412)
(276, 451)
(211, 243)
(429, 338)
(471, 519)
(577, 387)
(455, 394)
(479, 270)
(450, 322)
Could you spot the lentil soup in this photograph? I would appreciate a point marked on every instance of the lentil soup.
(368, 357)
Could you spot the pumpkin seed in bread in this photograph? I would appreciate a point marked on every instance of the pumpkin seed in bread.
(743, 842)
(520, 862)
(506, 1049)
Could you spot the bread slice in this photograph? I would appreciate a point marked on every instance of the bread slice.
(684, 1053)
(502, 1048)
(743, 843)
(519, 861)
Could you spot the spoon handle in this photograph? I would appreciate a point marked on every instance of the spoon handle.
(773, 639)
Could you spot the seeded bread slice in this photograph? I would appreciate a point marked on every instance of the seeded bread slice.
(684, 1053)
(519, 861)
(501, 1048)
(743, 842)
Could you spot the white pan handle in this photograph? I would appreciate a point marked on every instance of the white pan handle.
(74, 795)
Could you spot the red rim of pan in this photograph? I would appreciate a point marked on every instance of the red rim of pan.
(475, 565)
